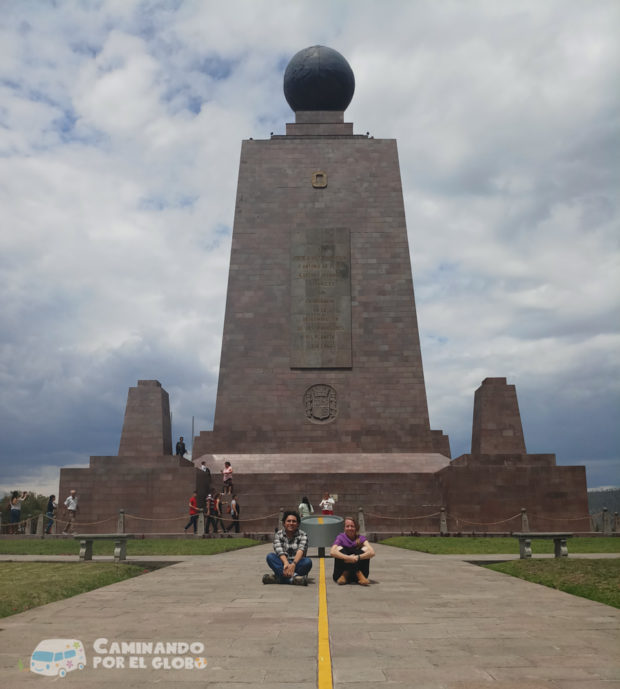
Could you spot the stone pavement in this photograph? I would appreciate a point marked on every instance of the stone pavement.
(427, 622)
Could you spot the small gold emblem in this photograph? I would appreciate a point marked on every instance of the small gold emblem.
(319, 180)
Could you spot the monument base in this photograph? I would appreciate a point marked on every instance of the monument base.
(477, 493)
(153, 491)
(399, 492)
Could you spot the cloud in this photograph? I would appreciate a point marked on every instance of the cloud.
(120, 131)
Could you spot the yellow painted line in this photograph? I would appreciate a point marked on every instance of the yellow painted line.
(320, 520)
(325, 658)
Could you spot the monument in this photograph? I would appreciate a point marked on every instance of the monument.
(320, 351)
(321, 385)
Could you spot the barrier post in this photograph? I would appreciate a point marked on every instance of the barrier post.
(120, 524)
(443, 521)
(40, 525)
(525, 525)
(616, 525)
(201, 521)
(606, 526)
(361, 521)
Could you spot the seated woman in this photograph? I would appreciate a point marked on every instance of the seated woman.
(351, 553)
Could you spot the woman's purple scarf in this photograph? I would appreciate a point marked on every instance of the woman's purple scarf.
(345, 542)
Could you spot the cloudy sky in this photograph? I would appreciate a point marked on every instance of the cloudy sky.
(120, 132)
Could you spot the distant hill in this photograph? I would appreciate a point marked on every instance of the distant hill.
(597, 499)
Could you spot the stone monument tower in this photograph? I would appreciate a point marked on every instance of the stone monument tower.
(321, 351)
(321, 386)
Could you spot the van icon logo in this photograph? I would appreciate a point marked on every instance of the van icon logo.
(57, 657)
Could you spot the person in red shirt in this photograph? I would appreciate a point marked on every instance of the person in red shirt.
(193, 513)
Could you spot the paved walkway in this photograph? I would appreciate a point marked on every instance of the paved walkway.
(427, 622)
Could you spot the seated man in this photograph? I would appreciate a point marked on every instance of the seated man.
(351, 553)
(288, 561)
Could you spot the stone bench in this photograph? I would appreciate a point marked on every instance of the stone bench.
(559, 542)
(120, 544)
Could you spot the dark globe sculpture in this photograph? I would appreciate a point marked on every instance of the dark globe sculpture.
(318, 78)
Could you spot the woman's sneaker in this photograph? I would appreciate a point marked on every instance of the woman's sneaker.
(361, 579)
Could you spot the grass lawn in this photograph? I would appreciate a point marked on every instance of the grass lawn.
(499, 545)
(143, 546)
(25, 585)
(598, 580)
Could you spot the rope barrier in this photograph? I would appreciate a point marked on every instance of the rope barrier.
(101, 521)
(213, 516)
(153, 519)
(380, 516)
(245, 520)
(502, 521)
(75, 522)
(565, 519)
(257, 519)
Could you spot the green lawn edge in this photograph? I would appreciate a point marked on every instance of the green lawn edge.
(27, 585)
(596, 580)
(20, 582)
(135, 547)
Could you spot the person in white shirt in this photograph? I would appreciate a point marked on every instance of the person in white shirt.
(227, 475)
(327, 504)
(305, 508)
(71, 508)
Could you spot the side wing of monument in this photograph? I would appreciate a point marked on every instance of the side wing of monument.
(145, 480)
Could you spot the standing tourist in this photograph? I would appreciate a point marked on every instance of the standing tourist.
(16, 508)
(217, 504)
(227, 474)
(305, 508)
(180, 448)
(235, 510)
(193, 513)
(49, 513)
(211, 514)
(327, 504)
(71, 508)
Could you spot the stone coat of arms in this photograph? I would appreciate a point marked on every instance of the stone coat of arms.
(320, 403)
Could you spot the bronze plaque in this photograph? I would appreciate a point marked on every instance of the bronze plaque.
(321, 298)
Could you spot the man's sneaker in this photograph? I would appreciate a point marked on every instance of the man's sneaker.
(300, 580)
(269, 579)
